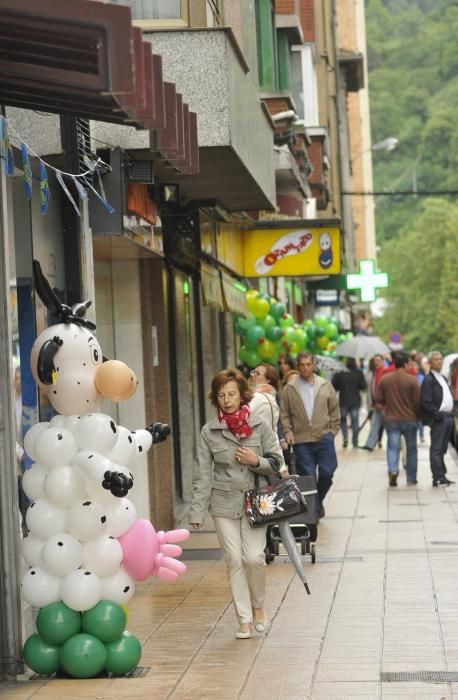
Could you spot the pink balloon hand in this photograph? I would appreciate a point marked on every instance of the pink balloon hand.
(168, 568)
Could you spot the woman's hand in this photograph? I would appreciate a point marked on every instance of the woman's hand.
(197, 526)
(246, 456)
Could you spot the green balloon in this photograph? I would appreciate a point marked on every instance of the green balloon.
(277, 310)
(273, 334)
(267, 322)
(332, 331)
(40, 656)
(286, 321)
(251, 358)
(321, 321)
(56, 623)
(310, 331)
(123, 654)
(253, 336)
(106, 621)
(83, 656)
(245, 323)
(319, 331)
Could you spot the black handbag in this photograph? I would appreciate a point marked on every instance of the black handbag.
(273, 502)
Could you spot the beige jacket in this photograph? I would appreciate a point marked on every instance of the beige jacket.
(219, 481)
(325, 416)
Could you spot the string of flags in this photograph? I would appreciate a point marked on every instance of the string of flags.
(81, 181)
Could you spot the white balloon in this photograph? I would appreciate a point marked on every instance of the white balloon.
(93, 464)
(31, 550)
(40, 588)
(64, 486)
(72, 422)
(30, 437)
(57, 421)
(86, 520)
(120, 587)
(96, 492)
(45, 519)
(81, 590)
(96, 431)
(121, 515)
(62, 554)
(143, 441)
(55, 447)
(33, 481)
(125, 447)
(102, 556)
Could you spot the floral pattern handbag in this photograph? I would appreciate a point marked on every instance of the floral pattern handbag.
(273, 502)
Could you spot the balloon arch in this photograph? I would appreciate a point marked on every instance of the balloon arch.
(269, 332)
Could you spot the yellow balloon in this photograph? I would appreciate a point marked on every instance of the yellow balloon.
(252, 294)
(126, 611)
(322, 342)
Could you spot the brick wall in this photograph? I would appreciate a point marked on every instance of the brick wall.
(307, 16)
(315, 153)
(277, 104)
(285, 7)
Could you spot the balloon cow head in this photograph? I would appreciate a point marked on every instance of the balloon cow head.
(67, 360)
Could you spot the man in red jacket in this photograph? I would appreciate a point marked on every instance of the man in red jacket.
(399, 394)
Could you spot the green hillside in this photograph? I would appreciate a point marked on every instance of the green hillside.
(413, 85)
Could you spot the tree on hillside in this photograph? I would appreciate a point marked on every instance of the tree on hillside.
(423, 293)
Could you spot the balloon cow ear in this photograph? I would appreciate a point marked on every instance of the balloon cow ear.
(45, 363)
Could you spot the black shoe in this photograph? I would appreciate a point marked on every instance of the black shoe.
(413, 482)
(443, 481)
(379, 444)
(345, 443)
(366, 447)
(393, 478)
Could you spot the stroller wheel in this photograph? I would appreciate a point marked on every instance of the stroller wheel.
(269, 558)
(303, 547)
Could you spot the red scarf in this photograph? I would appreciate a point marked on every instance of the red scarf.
(236, 422)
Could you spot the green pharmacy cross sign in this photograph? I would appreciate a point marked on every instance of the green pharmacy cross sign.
(367, 281)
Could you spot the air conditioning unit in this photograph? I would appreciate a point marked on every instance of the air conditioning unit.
(141, 171)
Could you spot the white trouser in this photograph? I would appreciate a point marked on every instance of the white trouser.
(243, 548)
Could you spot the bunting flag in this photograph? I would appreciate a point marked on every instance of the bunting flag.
(44, 189)
(27, 171)
(67, 192)
(81, 190)
(102, 201)
(80, 180)
(6, 151)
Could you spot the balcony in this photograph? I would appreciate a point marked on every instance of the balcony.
(235, 135)
(287, 17)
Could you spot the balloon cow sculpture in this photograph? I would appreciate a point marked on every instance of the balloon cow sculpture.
(85, 547)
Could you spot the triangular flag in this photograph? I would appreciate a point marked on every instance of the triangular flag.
(67, 192)
(27, 171)
(81, 191)
(102, 201)
(44, 189)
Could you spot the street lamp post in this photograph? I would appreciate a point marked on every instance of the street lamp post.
(388, 144)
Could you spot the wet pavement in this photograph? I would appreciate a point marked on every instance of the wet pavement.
(384, 607)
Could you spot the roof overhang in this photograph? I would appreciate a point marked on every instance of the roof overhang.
(85, 58)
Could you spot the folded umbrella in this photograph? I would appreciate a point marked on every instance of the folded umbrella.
(290, 545)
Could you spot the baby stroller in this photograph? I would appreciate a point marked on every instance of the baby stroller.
(304, 526)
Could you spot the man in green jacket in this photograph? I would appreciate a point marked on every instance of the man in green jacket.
(310, 418)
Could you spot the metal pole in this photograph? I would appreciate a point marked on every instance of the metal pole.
(10, 608)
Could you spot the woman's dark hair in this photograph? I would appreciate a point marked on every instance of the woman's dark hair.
(272, 377)
(230, 375)
(288, 360)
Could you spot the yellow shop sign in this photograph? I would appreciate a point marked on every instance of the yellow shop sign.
(280, 252)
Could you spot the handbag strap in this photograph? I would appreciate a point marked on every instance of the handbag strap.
(271, 410)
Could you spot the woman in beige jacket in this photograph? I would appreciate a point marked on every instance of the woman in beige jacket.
(232, 449)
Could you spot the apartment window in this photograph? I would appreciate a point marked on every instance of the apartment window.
(266, 44)
(213, 13)
(304, 84)
(153, 14)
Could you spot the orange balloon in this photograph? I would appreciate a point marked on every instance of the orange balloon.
(115, 380)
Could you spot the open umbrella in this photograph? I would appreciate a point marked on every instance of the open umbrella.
(329, 365)
(290, 545)
(362, 346)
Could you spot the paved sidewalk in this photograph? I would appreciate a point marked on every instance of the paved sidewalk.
(384, 600)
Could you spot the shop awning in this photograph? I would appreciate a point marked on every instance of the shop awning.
(86, 59)
(211, 287)
(234, 298)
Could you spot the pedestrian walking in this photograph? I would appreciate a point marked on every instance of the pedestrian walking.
(265, 383)
(376, 428)
(229, 454)
(398, 393)
(437, 412)
(285, 364)
(310, 418)
(349, 386)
